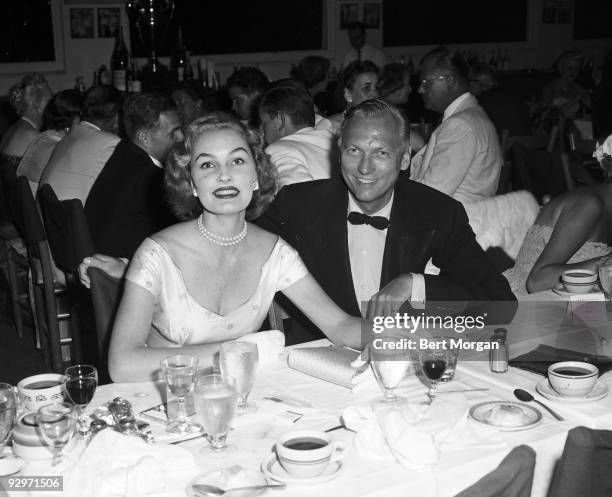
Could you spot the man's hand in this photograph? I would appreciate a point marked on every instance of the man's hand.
(110, 265)
(390, 298)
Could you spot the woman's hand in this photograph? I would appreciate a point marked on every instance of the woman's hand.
(111, 265)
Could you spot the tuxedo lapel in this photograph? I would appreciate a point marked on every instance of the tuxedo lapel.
(408, 243)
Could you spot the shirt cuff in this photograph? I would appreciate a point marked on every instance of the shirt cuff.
(417, 299)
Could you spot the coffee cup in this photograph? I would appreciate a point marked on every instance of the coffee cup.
(38, 390)
(572, 378)
(307, 453)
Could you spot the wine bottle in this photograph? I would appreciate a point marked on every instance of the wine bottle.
(120, 62)
(178, 63)
(188, 74)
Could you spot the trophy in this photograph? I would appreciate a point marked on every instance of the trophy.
(152, 19)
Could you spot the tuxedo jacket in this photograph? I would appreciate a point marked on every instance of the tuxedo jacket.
(423, 224)
(126, 203)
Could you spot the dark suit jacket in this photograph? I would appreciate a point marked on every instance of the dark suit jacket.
(126, 203)
(424, 224)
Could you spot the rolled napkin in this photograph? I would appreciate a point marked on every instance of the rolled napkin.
(410, 434)
(115, 464)
(332, 364)
(270, 345)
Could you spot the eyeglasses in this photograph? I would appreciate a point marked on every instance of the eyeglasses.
(426, 83)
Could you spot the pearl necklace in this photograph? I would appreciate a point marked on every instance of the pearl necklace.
(222, 241)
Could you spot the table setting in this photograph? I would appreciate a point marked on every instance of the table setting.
(306, 418)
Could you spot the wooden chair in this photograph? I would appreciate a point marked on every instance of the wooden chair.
(13, 255)
(59, 337)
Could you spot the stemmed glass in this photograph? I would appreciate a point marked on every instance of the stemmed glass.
(239, 360)
(179, 371)
(8, 408)
(389, 365)
(433, 363)
(57, 423)
(81, 384)
(216, 397)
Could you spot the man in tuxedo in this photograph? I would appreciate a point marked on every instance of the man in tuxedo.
(126, 203)
(367, 237)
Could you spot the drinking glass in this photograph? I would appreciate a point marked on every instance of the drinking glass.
(179, 371)
(215, 399)
(8, 408)
(605, 278)
(81, 384)
(57, 423)
(239, 360)
(434, 360)
(389, 365)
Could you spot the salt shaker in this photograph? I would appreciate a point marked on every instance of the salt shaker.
(498, 355)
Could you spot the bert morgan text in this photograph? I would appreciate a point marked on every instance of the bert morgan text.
(426, 343)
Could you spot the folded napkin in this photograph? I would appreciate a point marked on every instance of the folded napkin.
(332, 364)
(270, 345)
(539, 359)
(410, 434)
(114, 464)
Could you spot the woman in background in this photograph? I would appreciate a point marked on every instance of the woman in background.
(29, 97)
(212, 278)
(62, 111)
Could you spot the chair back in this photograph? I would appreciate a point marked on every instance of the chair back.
(512, 478)
(12, 208)
(584, 467)
(106, 294)
(67, 229)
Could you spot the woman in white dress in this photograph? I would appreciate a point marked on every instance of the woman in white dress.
(212, 278)
(572, 231)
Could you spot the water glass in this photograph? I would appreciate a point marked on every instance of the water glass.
(81, 383)
(239, 360)
(215, 399)
(389, 364)
(57, 423)
(8, 408)
(179, 372)
(605, 278)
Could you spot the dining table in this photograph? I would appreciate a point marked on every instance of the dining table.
(287, 399)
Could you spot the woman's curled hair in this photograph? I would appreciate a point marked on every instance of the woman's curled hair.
(179, 192)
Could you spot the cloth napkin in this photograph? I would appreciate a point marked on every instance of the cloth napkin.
(412, 434)
(270, 345)
(539, 359)
(118, 465)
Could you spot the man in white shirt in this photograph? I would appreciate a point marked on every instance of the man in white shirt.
(79, 157)
(360, 49)
(463, 156)
(366, 237)
(299, 150)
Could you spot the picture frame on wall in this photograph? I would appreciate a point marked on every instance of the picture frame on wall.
(349, 13)
(564, 12)
(81, 23)
(371, 15)
(549, 11)
(109, 22)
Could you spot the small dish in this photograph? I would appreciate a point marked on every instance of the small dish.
(11, 465)
(273, 470)
(233, 477)
(506, 415)
(600, 390)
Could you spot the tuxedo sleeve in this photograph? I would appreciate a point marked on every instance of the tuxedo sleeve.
(466, 274)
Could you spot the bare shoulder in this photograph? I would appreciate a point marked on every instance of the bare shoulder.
(263, 240)
(175, 236)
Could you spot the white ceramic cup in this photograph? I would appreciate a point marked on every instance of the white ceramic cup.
(38, 390)
(572, 378)
(307, 453)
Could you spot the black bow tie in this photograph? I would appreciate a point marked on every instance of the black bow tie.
(378, 222)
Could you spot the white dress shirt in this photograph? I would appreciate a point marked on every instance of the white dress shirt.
(366, 246)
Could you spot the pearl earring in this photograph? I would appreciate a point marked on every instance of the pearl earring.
(255, 185)
(195, 192)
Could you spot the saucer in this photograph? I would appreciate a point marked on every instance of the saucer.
(10, 465)
(273, 470)
(233, 477)
(600, 390)
(505, 415)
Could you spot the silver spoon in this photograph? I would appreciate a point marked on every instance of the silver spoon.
(212, 490)
(525, 396)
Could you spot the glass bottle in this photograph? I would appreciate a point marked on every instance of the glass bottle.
(178, 63)
(498, 355)
(120, 62)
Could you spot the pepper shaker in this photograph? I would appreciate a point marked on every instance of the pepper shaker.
(498, 355)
